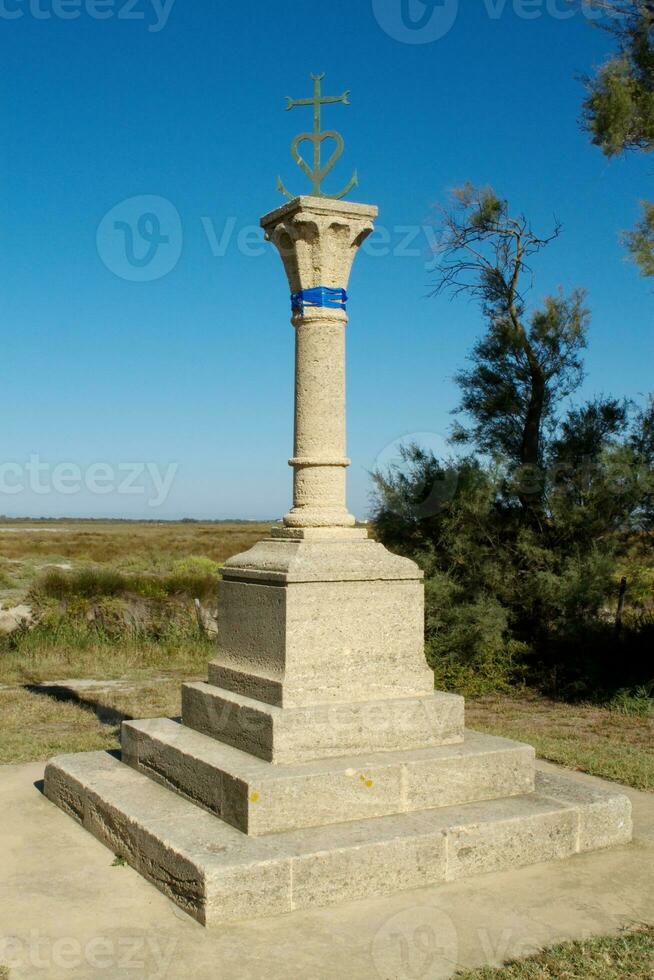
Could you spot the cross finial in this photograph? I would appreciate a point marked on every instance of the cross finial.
(318, 173)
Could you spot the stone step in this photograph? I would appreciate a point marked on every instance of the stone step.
(260, 798)
(216, 873)
(319, 731)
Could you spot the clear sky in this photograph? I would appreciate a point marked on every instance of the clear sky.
(193, 369)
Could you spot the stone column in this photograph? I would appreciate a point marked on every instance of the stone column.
(318, 613)
(317, 239)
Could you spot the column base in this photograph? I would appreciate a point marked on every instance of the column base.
(309, 517)
(321, 615)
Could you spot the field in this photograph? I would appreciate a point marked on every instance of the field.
(117, 629)
(113, 602)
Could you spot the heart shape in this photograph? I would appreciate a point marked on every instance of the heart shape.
(317, 139)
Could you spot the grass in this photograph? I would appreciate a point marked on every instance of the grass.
(113, 599)
(588, 738)
(37, 725)
(81, 651)
(190, 577)
(630, 955)
(127, 546)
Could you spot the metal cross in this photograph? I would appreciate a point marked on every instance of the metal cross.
(317, 137)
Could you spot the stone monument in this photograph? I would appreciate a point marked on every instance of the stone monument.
(318, 765)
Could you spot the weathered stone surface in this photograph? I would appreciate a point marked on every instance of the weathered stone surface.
(260, 798)
(293, 555)
(604, 818)
(217, 873)
(530, 829)
(319, 731)
(321, 618)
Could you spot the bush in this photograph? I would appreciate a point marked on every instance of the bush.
(469, 646)
(633, 701)
(190, 577)
(508, 601)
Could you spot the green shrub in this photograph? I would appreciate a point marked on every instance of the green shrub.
(190, 577)
(633, 701)
(195, 565)
(508, 601)
(469, 646)
(89, 583)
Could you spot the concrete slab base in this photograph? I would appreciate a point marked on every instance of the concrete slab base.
(216, 873)
(66, 912)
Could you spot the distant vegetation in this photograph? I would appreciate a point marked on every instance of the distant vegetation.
(113, 599)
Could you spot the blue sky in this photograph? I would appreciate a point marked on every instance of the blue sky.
(194, 368)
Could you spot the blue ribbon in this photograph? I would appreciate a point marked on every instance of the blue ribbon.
(325, 296)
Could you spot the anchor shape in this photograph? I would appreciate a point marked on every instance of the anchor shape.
(319, 171)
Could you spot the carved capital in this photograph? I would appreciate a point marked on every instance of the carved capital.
(317, 239)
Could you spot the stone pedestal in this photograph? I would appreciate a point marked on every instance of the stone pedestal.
(318, 764)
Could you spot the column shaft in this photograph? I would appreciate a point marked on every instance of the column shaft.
(320, 440)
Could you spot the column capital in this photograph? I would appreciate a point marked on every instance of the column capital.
(317, 239)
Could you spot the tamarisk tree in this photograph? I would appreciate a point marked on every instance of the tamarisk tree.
(527, 360)
(619, 104)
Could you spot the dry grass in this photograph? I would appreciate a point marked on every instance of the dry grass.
(125, 544)
(582, 737)
(62, 655)
(112, 570)
(630, 955)
(38, 725)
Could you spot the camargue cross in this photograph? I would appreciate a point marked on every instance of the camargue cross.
(317, 137)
